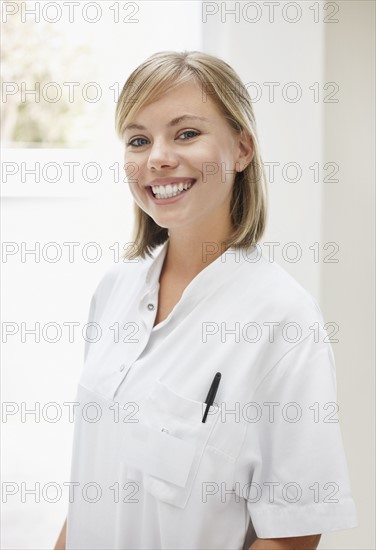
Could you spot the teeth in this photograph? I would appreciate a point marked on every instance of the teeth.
(168, 191)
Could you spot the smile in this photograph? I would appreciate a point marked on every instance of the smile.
(170, 190)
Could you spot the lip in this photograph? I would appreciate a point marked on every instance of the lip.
(167, 181)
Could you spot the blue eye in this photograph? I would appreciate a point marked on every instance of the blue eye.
(189, 132)
(133, 144)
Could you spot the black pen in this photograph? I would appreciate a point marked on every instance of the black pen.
(211, 394)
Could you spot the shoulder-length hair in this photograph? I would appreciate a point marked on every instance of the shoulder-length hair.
(160, 73)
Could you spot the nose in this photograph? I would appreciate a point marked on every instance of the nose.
(161, 156)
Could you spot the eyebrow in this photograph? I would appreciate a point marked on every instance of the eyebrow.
(173, 122)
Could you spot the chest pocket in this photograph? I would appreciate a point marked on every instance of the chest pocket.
(165, 449)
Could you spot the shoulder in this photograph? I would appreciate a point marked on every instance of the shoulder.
(277, 291)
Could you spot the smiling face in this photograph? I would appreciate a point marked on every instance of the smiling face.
(183, 141)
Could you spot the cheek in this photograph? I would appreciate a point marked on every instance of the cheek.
(134, 172)
(205, 161)
(213, 156)
(217, 171)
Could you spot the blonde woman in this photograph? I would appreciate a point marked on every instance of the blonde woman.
(212, 417)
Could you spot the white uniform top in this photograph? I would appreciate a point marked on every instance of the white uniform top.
(269, 460)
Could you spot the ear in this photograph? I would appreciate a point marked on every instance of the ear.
(245, 151)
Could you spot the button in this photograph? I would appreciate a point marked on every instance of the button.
(122, 367)
(150, 306)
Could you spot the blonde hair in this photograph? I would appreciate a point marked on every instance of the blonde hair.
(162, 72)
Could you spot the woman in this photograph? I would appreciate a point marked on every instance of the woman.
(207, 367)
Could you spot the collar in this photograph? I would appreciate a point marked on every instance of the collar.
(154, 270)
(208, 281)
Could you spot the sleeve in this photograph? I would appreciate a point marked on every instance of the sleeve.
(297, 477)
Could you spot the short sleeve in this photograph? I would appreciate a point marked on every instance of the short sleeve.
(296, 478)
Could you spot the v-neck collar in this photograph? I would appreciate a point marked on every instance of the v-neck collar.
(206, 282)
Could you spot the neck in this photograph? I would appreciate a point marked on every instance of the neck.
(188, 253)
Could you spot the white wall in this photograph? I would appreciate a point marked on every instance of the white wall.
(348, 288)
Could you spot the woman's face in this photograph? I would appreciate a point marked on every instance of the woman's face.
(163, 144)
